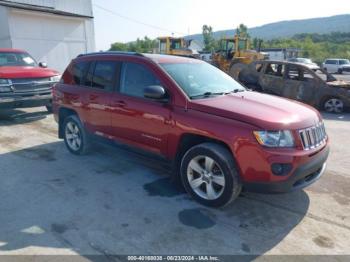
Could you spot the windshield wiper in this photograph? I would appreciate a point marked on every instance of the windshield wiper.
(207, 94)
(236, 91)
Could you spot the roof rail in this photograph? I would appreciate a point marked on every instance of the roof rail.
(111, 53)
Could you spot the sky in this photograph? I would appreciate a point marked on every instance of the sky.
(126, 20)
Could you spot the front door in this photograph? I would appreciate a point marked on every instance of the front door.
(138, 120)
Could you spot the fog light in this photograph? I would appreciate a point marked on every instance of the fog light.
(281, 169)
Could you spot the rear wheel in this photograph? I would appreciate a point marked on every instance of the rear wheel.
(75, 136)
(209, 175)
(333, 105)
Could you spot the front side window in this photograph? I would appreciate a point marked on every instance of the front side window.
(16, 59)
(104, 75)
(199, 79)
(135, 78)
(344, 62)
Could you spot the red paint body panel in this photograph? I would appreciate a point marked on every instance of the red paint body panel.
(26, 72)
(159, 127)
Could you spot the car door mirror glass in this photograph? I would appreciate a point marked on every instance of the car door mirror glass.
(43, 64)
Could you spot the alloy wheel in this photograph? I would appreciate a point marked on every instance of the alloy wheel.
(73, 136)
(334, 105)
(206, 177)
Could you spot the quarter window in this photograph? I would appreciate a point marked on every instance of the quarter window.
(135, 77)
(79, 70)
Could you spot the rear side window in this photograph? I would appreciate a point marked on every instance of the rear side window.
(331, 62)
(275, 70)
(134, 79)
(104, 75)
(78, 72)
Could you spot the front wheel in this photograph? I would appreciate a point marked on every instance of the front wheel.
(209, 175)
(333, 105)
(49, 108)
(75, 136)
(340, 71)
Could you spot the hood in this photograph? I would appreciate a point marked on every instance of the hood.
(339, 83)
(264, 111)
(26, 72)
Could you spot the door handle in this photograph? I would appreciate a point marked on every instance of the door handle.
(119, 103)
(93, 96)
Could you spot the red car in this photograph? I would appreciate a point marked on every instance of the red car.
(24, 82)
(218, 136)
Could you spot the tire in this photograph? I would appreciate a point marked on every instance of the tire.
(340, 71)
(333, 105)
(75, 136)
(49, 108)
(209, 174)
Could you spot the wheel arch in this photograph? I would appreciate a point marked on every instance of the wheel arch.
(189, 140)
(63, 113)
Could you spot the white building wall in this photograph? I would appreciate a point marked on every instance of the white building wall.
(49, 38)
(5, 40)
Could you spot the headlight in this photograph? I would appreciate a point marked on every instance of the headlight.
(5, 85)
(274, 138)
(5, 81)
(55, 78)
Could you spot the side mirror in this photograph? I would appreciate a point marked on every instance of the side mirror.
(155, 92)
(43, 64)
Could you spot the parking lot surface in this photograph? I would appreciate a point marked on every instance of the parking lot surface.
(114, 201)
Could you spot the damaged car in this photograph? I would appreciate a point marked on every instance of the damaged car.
(295, 81)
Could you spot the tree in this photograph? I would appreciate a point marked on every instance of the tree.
(118, 47)
(242, 30)
(208, 38)
(145, 45)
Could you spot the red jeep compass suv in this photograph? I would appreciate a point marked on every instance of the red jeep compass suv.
(219, 136)
(24, 82)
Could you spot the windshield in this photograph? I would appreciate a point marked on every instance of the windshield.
(202, 79)
(16, 59)
(324, 75)
(344, 62)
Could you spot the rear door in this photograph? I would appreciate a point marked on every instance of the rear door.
(272, 78)
(101, 77)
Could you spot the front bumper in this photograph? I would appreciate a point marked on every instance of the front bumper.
(25, 101)
(303, 176)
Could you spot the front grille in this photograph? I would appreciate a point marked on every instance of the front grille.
(31, 84)
(313, 137)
